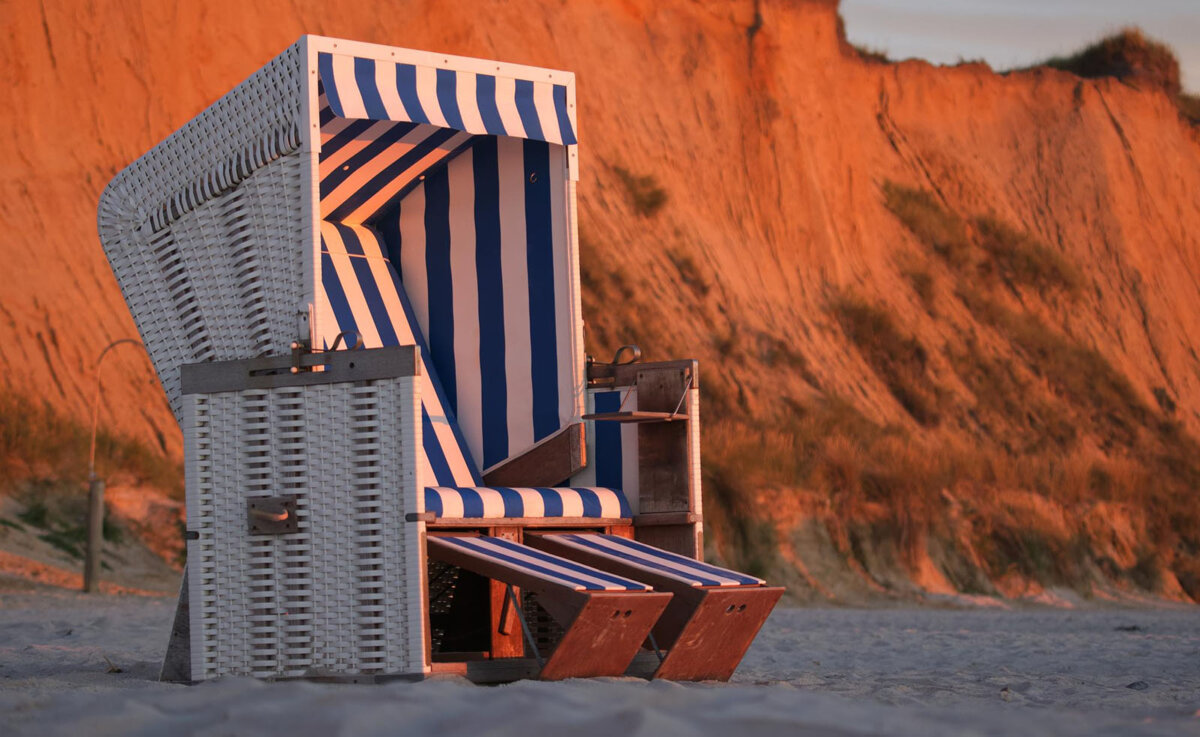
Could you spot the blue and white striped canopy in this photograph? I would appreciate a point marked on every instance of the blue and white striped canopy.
(454, 185)
(481, 104)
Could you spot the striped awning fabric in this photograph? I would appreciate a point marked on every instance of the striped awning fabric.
(481, 104)
(496, 502)
(549, 568)
(648, 558)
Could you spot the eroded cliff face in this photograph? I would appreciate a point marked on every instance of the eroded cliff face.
(891, 405)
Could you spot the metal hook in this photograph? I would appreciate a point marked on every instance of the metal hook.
(635, 355)
(346, 335)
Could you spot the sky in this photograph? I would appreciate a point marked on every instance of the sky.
(1015, 33)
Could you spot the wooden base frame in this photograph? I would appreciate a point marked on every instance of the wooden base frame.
(603, 630)
(705, 630)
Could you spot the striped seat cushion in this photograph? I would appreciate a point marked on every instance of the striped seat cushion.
(661, 562)
(478, 502)
(544, 566)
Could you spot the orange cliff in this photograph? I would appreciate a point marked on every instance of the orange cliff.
(770, 145)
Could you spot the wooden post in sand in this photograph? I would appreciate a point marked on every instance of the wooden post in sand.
(95, 535)
(95, 520)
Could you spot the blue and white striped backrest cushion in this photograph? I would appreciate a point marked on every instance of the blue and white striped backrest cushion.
(360, 291)
(483, 252)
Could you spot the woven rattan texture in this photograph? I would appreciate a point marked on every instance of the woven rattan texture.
(205, 233)
(342, 595)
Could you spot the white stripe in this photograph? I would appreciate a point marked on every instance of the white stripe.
(452, 504)
(349, 281)
(427, 94)
(572, 502)
(515, 275)
(468, 105)
(557, 568)
(610, 505)
(469, 406)
(412, 255)
(630, 471)
(347, 87)
(361, 176)
(570, 379)
(493, 502)
(531, 500)
(334, 126)
(385, 193)
(506, 104)
(337, 159)
(543, 102)
(680, 569)
(385, 82)
(425, 475)
(673, 573)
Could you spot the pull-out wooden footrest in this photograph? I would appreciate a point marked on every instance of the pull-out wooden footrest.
(713, 616)
(605, 617)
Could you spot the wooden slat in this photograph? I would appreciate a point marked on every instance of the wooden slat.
(548, 463)
(637, 416)
(665, 518)
(603, 374)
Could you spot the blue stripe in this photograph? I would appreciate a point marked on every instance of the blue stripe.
(372, 291)
(551, 502)
(539, 255)
(325, 74)
(447, 96)
(433, 451)
(493, 374)
(699, 566)
(326, 115)
(623, 503)
(406, 87)
(591, 502)
(520, 564)
(441, 282)
(348, 134)
(527, 109)
(472, 503)
(485, 100)
(389, 173)
(564, 115)
(514, 504)
(649, 562)
(411, 318)
(336, 295)
(609, 463)
(433, 501)
(377, 147)
(569, 564)
(384, 210)
(364, 75)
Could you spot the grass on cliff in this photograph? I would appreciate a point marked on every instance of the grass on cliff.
(1131, 56)
(985, 246)
(898, 359)
(38, 442)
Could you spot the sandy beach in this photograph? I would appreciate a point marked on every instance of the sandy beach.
(73, 665)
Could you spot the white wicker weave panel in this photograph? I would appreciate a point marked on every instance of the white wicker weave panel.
(206, 233)
(343, 594)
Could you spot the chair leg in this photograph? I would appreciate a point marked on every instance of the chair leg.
(707, 631)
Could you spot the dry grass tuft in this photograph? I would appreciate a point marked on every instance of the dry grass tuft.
(646, 196)
(1020, 259)
(940, 229)
(38, 442)
(899, 360)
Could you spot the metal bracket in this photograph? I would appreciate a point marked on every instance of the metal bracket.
(272, 515)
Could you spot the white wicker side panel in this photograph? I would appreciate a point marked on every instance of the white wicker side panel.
(342, 595)
(205, 233)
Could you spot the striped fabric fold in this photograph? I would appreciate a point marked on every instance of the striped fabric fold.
(480, 104)
(362, 293)
(478, 502)
(652, 559)
(544, 566)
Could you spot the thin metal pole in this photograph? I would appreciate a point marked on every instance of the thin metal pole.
(95, 521)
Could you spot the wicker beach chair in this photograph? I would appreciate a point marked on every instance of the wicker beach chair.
(357, 277)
